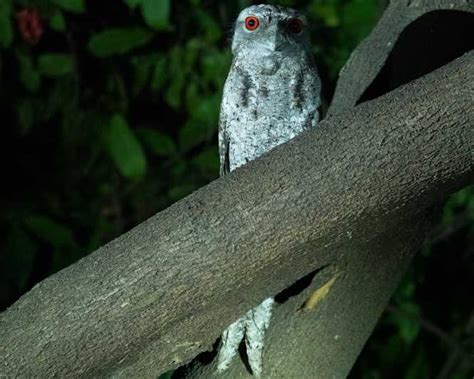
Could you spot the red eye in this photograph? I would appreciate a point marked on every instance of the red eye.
(252, 23)
(295, 25)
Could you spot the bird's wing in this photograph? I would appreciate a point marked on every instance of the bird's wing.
(234, 85)
(314, 92)
(223, 142)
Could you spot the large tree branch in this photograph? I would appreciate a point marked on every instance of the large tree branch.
(367, 61)
(160, 294)
(412, 39)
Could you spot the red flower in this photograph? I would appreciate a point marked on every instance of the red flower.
(30, 25)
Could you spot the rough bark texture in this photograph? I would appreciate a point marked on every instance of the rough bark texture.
(350, 197)
(412, 39)
(373, 252)
(369, 58)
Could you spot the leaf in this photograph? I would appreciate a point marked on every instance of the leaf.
(176, 74)
(6, 30)
(132, 4)
(57, 21)
(191, 54)
(60, 97)
(26, 115)
(328, 14)
(118, 41)
(159, 75)
(74, 6)
(212, 30)
(208, 161)
(202, 124)
(142, 67)
(393, 349)
(215, 65)
(5, 6)
(124, 148)
(192, 96)
(29, 76)
(173, 93)
(156, 13)
(407, 321)
(102, 228)
(55, 65)
(359, 18)
(178, 192)
(208, 110)
(16, 261)
(50, 231)
(179, 169)
(409, 328)
(417, 366)
(190, 135)
(159, 143)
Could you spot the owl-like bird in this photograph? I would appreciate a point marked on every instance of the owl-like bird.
(272, 93)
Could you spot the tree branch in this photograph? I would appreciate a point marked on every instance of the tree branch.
(163, 292)
(412, 39)
(369, 58)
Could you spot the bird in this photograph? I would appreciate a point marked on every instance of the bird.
(271, 94)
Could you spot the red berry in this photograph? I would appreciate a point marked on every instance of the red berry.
(30, 25)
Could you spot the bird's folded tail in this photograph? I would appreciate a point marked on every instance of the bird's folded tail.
(257, 321)
(253, 325)
(231, 339)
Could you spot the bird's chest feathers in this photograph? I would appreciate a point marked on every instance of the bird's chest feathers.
(264, 105)
(276, 95)
(267, 112)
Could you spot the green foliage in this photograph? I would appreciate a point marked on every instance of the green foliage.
(124, 148)
(25, 115)
(159, 143)
(408, 326)
(49, 231)
(55, 65)
(112, 116)
(28, 74)
(461, 200)
(16, 260)
(156, 13)
(132, 3)
(6, 24)
(118, 41)
(74, 6)
(57, 21)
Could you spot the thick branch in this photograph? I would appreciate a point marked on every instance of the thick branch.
(412, 39)
(163, 292)
(324, 341)
(368, 59)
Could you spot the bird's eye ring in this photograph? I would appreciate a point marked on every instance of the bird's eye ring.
(252, 23)
(295, 25)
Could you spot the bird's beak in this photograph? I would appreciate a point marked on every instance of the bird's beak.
(274, 42)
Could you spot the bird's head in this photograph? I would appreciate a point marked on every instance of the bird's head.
(270, 30)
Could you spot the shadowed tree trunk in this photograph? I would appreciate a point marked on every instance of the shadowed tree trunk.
(344, 207)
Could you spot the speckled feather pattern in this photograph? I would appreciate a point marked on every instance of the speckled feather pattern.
(272, 94)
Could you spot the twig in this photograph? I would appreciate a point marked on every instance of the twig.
(427, 325)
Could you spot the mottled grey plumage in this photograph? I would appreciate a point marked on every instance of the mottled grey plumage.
(271, 95)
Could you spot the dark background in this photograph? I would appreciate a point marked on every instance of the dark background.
(109, 114)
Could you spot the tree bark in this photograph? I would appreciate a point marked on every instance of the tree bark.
(349, 198)
(367, 61)
(411, 39)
